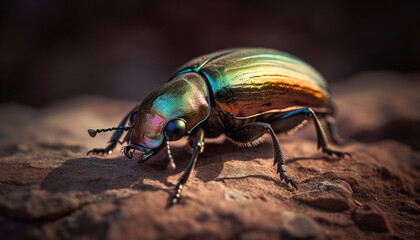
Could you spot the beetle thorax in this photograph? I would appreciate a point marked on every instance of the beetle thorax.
(184, 97)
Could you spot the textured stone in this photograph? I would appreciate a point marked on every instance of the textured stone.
(410, 207)
(234, 195)
(50, 189)
(332, 218)
(370, 219)
(298, 226)
(39, 204)
(329, 196)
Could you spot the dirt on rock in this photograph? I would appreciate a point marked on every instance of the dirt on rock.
(50, 189)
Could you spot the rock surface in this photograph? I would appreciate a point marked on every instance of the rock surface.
(329, 196)
(370, 219)
(50, 189)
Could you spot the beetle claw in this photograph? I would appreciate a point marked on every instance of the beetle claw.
(145, 157)
(294, 184)
(174, 199)
(288, 180)
(128, 153)
(97, 151)
(331, 152)
(283, 176)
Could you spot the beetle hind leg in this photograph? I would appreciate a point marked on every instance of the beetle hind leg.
(322, 139)
(253, 131)
(333, 132)
(305, 113)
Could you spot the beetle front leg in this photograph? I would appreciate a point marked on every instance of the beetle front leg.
(145, 157)
(251, 132)
(114, 138)
(196, 140)
(107, 150)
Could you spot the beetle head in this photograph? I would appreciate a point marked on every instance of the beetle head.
(170, 112)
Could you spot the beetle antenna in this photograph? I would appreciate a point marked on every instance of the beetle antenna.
(93, 132)
(171, 164)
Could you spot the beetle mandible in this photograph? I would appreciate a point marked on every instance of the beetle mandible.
(242, 93)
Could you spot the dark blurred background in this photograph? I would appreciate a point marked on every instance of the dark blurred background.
(52, 50)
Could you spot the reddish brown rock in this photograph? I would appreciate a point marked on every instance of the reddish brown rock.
(370, 219)
(329, 196)
(410, 207)
(50, 189)
(298, 226)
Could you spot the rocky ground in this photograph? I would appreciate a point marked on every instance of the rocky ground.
(50, 189)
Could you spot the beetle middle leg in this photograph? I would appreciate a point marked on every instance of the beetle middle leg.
(197, 141)
(253, 131)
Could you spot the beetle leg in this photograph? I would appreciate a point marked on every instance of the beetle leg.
(252, 131)
(198, 141)
(102, 151)
(322, 139)
(333, 132)
(114, 138)
(145, 157)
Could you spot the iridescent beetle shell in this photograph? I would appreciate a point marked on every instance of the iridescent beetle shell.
(250, 83)
(244, 82)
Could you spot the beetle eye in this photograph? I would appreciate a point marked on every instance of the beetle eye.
(175, 129)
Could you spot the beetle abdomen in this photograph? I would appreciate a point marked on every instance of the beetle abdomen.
(250, 82)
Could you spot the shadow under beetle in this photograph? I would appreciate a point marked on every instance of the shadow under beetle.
(243, 93)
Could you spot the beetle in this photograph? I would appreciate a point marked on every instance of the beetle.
(243, 93)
